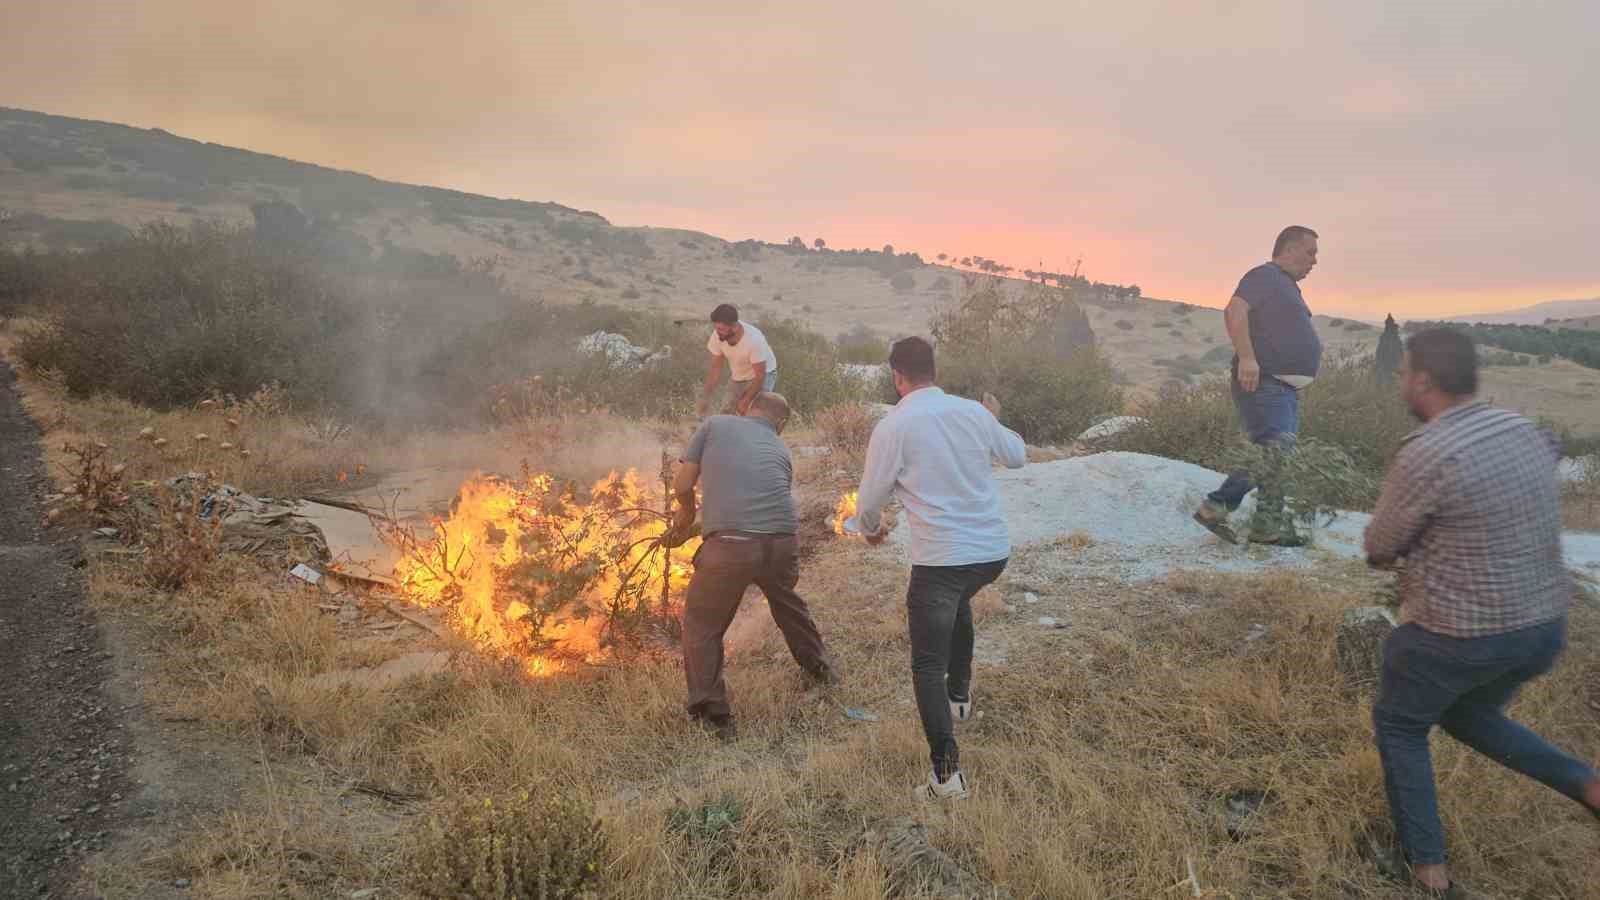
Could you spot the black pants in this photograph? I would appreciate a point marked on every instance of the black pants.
(939, 610)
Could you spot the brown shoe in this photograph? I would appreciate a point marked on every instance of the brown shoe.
(1214, 518)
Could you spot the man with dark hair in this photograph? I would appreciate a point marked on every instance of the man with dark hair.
(1473, 506)
(752, 366)
(749, 524)
(1276, 354)
(933, 451)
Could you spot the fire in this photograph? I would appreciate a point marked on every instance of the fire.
(845, 509)
(534, 571)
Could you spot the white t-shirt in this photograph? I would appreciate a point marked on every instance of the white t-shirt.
(743, 356)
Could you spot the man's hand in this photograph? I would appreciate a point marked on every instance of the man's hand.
(1249, 375)
(745, 400)
(992, 404)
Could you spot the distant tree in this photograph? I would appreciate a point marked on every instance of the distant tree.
(1389, 351)
(966, 261)
(820, 244)
(797, 242)
(1135, 293)
(943, 257)
(888, 249)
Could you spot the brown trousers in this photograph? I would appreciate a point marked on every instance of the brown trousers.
(724, 567)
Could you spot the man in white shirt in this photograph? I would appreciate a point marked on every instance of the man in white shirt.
(935, 452)
(752, 366)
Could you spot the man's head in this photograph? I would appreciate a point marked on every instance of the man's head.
(1295, 251)
(772, 407)
(725, 320)
(1438, 371)
(911, 363)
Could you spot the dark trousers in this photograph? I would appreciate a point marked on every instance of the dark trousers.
(1461, 685)
(725, 565)
(1270, 416)
(939, 612)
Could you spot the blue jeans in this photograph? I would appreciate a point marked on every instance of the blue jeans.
(1461, 685)
(939, 613)
(1270, 415)
(736, 389)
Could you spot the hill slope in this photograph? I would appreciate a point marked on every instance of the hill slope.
(1537, 314)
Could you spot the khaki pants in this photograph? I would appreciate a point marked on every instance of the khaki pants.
(724, 567)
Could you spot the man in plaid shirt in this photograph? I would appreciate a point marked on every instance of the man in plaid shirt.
(1473, 507)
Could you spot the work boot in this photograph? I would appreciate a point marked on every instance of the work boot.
(1213, 516)
(722, 726)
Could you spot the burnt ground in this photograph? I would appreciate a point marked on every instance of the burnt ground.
(63, 748)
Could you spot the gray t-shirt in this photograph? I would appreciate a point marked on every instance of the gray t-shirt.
(745, 476)
(1280, 323)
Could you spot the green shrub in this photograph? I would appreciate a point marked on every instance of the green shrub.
(528, 845)
(863, 346)
(1027, 348)
(1346, 408)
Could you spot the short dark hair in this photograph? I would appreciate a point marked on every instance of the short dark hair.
(1449, 358)
(912, 357)
(725, 314)
(1288, 236)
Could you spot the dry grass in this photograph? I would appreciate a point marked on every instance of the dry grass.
(1118, 743)
(1097, 764)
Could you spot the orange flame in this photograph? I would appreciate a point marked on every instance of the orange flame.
(469, 564)
(845, 509)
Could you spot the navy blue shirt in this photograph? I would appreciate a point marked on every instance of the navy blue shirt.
(1280, 322)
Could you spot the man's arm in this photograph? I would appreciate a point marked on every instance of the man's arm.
(1408, 500)
(683, 482)
(749, 395)
(713, 373)
(1005, 445)
(1237, 317)
(878, 478)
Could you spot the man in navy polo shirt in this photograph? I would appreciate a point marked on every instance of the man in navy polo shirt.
(1276, 354)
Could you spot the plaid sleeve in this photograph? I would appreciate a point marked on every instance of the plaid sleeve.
(1410, 497)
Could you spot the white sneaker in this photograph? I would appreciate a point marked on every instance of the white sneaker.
(935, 790)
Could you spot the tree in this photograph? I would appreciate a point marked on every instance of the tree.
(888, 249)
(943, 257)
(820, 244)
(1389, 350)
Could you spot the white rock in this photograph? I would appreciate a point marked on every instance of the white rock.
(1111, 426)
(1030, 597)
(1047, 621)
(621, 352)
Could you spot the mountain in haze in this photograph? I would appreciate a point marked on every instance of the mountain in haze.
(1537, 314)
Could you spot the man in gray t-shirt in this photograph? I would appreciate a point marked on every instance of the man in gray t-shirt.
(749, 524)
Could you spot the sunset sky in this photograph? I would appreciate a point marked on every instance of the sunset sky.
(1446, 152)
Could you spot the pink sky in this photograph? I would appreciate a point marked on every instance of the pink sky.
(1445, 154)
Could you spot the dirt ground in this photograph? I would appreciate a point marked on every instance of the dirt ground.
(64, 743)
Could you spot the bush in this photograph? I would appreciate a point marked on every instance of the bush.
(808, 368)
(521, 846)
(1123, 324)
(903, 282)
(1346, 408)
(862, 346)
(845, 429)
(1010, 344)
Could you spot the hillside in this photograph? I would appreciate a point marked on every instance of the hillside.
(1537, 314)
(70, 183)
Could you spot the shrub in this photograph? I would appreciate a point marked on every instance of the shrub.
(808, 368)
(1346, 408)
(861, 345)
(522, 846)
(1011, 344)
(1123, 324)
(180, 544)
(845, 429)
(903, 282)
(1045, 398)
